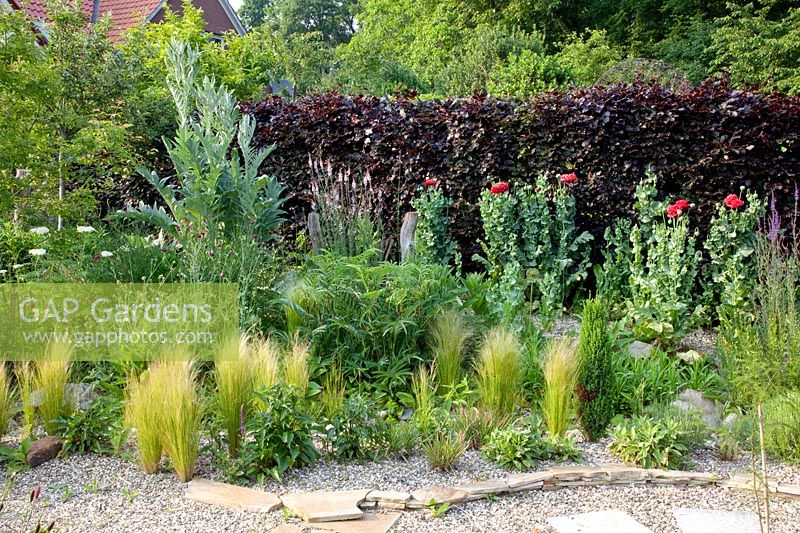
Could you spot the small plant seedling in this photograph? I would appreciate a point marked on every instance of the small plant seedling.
(492, 497)
(130, 494)
(438, 509)
(92, 487)
(286, 514)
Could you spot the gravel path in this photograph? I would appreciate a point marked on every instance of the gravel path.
(93, 493)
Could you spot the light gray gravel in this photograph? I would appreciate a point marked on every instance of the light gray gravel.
(93, 493)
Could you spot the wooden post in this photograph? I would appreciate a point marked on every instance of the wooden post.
(314, 232)
(407, 235)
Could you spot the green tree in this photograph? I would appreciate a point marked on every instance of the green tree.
(760, 45)
(596, 385)
(332, 19)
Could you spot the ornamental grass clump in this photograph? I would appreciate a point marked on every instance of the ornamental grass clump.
(499, 370)
(596, 384)
(265, 357)
(7, 399)
(181, 412)
(443, 448)
(296, 371)
(24, 373)
(233, 377)
(449, 336)
(143, 411)
(51, 376)
(560, 368)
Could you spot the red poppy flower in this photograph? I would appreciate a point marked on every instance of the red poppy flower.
(499, 188)
(673, 211)
(733, 201)
(568, 179)
(683, 205)
(430, 183)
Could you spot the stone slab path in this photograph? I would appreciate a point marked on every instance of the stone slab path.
(610, 521)
(215, 493)
(326, 506)
(711, 521)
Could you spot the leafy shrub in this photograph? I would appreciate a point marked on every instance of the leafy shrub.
(520, 445)
(596, 382)
(560, 367)
(277, 436)
(371, 320)
(782, 426)
(612, 133)
(650, 444)
(499, 372)
(690, 423)
(97, 429)
(432, 237)
(449, 336)
(612, 275)
(659, 378)
(760, 357)
(355, 432)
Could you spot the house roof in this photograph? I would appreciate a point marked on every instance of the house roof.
(127, 14)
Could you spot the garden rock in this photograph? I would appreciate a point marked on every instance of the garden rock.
(690, 356)
(81, 394)
(287, 528)
(639, 349)
(708, 408)
(370, 523)
(610, 521)
(43, 450)
(711, 521)
(233, 496)
(326, 506)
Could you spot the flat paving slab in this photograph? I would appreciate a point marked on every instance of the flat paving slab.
(323, 506)
(370, 523)
(712, 521)
(609, 521)
(233, 496)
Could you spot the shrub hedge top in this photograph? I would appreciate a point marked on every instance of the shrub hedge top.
(703, 144)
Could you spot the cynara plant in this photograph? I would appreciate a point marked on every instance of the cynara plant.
(220, 208)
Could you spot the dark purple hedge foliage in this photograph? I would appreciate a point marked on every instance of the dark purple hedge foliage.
(703, 145)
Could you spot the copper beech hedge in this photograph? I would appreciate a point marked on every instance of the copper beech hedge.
(703, 144)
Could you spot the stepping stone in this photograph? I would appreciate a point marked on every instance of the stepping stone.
(712, 521)
(439, 494)
(324, 506)
(287, 528)
(215, 493)
(610, 521)
(370, 523)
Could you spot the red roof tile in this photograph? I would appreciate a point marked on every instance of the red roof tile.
(127, 14)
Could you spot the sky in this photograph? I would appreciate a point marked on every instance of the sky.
(236, 4)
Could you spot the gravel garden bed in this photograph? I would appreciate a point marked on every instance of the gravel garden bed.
(93, 493)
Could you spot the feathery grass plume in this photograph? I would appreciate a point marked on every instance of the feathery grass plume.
(423, 391)
(444, 448)
(51, 378)
(449, 335)
(560, 368)
(265, 355)
(7, 399)
(500, 373)
(596, 382)
(295, 366)
(333, 389)
(144, 407)
(25, 374)
(180, 414)
(233, 378)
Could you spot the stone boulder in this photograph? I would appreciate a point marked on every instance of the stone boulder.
(43, 450)
(710, 410)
